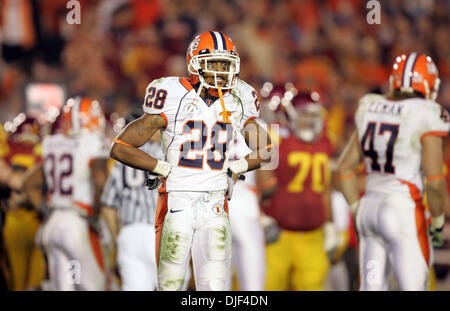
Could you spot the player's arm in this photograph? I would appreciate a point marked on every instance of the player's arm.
(99, 176)
(111, 196)
(347, 164)
(266, 183)
(432, 164)
(8, 177)
(109, 214)
(259, 142)
(125, 148)
(34, 183)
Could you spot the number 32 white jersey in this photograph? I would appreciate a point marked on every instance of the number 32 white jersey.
(196, 139)
(58, 152)
(391, 134)
(67, 168)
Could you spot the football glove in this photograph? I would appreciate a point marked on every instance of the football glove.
(271, 229)
(153, 182)
(231, 180)
(230, 184)
(436, 231)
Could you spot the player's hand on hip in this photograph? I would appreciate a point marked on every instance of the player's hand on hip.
(153, 182)
(436, 231)
(231, 180)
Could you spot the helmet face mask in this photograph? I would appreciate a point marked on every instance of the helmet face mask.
(309, 123)
(213, 61)
(216, 71)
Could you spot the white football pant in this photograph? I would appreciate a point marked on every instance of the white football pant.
(73, 252)
(196, 223)
(393, 236)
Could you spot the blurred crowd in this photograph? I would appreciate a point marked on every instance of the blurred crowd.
(121, 45)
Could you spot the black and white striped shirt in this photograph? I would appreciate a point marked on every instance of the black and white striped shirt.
(125, 191)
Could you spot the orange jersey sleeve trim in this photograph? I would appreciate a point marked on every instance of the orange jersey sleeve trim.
(186, 83)
(121, 142)
(435, 133)
(249, 119)
(162, 114)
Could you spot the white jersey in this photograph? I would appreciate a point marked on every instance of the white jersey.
(391, 134)
(89, 147)
(196, 139)
(58, 152)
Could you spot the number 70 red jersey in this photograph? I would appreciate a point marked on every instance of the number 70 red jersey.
(303, 175)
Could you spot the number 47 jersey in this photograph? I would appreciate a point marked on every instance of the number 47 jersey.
(391, 135)
(197, 135)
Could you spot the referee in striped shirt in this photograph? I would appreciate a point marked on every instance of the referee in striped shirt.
(130, 206)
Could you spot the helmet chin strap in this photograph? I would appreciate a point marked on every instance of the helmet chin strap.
(225, 113)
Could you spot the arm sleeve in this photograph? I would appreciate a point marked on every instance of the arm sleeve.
(250, 104)
(436, 121)
(361, 108)
(162, 97)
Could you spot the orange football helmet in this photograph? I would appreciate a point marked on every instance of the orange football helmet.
(415, 72)
(207, 48)
(82, 114)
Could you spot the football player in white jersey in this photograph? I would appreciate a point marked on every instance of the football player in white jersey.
(400, 138)
(73, 172)
(198, 117)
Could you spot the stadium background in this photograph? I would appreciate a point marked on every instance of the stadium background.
(121, 45)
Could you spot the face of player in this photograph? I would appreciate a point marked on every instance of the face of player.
(309, 125)
(216, 71)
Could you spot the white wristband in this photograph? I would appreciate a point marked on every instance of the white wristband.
(438, 222)
(162, 168)
(239, 166)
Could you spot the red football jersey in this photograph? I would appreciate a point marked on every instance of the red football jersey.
(303, 175)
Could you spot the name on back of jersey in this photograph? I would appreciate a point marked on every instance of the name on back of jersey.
(392, 108)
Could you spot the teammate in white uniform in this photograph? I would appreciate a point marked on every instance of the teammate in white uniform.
(198, 117)
(247, 232)
(400, 138)
(73, 172)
